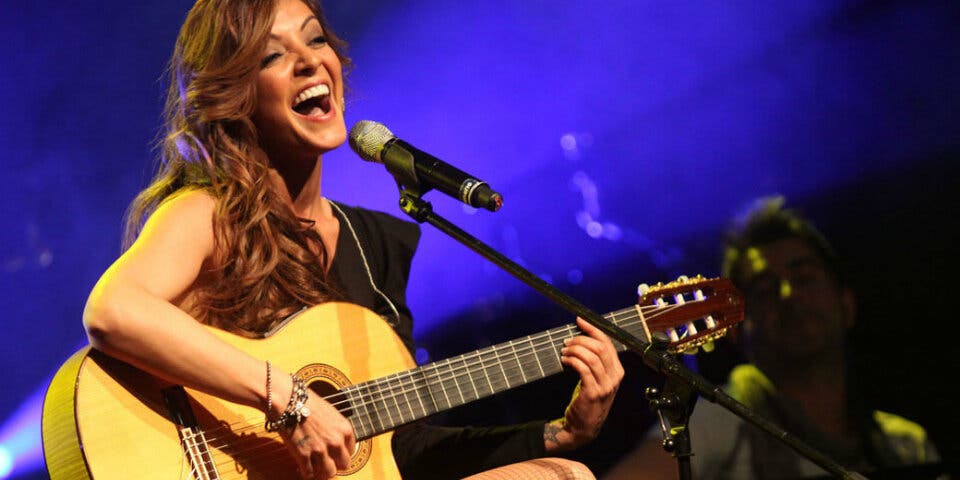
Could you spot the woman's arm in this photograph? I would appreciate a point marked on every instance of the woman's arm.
(130, 315)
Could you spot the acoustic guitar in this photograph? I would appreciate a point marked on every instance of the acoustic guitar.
(104, 419)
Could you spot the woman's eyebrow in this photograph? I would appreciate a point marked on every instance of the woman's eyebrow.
(305, 22)
(303, 25)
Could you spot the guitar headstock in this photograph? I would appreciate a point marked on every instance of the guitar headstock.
(690, 311)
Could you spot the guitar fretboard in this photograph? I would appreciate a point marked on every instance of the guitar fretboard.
(383, 404)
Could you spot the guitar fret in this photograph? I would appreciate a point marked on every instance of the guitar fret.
(422, 384)
(415, 392)
(371, 403)
(382, 403)
(396, 391)
(491, 370)
(439, 378)
(453, 379)
(356, 418)
(506, 379)
(483, 369)
(396, 403)
(365, 402)
(413, 396)
(383, 406)
(527, 351)
(374, 403)
(469, 375)
(523, 375)
(443, 389)
(553, 355)
(536, 357)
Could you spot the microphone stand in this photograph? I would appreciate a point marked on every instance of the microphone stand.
(679, 377)
(675, 402)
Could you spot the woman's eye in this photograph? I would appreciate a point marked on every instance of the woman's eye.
(269, 59)
(318, 40)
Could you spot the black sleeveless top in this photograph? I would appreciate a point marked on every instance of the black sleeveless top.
(376, 278)
(421, 450)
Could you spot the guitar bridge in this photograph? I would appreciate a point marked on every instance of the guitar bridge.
(202, 466)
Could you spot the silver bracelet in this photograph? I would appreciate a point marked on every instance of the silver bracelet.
(269, 393)
(296, 411)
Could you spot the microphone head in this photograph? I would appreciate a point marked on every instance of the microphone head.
(367, 139)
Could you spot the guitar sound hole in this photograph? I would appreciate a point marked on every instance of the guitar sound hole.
(331, 393)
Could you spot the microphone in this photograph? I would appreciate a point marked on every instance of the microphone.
(419, 170)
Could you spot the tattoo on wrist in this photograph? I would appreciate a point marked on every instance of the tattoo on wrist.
(551, 430)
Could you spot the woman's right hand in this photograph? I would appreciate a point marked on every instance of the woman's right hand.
(323, 443)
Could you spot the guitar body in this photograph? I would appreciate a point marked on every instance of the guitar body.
(104, 419)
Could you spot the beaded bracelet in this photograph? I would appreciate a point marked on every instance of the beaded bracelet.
(296, 411)
(269, 392)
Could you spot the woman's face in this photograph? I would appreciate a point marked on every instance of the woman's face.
(299, 88)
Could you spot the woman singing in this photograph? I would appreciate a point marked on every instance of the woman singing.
(234, 233)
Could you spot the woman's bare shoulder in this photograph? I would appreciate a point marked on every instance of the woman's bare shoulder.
(186, 212)
(178, 235)
(189, 201)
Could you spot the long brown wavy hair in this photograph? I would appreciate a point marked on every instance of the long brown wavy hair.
(267, 262)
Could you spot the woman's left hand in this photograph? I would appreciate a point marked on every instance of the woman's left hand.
(594, 357)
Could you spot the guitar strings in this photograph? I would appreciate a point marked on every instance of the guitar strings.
(474, 393)
(438, 378)
(365, 399)
(226, 468)
(529, 346)
(434, 378)
(253, 449)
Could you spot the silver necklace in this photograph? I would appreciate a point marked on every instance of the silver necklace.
(366, 266)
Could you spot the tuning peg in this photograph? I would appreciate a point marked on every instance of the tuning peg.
(643, 289)
(672, 335)
(683, 279)
(699, 296)
(691, 328)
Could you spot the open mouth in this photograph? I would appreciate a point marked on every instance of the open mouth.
(314, 101)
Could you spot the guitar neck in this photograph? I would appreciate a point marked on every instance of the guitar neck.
(383, 404)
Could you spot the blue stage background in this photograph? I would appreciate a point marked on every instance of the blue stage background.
(623, 135)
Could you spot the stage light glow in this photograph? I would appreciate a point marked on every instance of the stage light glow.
(21, 449)
(6, 462)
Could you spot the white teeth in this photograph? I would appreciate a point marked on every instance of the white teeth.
(312, 92)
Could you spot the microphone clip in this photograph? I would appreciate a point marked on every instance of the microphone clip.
(402, 165)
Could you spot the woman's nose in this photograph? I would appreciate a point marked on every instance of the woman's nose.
(308, 62)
